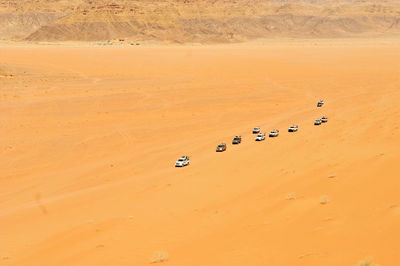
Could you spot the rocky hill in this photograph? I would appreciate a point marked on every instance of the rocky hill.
(204, 21)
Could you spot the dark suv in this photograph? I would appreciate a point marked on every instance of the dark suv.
(221, 147)
(237, 140)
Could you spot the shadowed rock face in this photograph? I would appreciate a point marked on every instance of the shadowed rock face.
(195, 21)
(20, 25)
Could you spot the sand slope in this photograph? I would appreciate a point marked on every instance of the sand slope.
(88, 138)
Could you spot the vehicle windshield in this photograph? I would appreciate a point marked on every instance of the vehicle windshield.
(256, 128)
(181, 160)
(260, 135)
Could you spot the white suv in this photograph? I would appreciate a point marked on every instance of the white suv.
(293, 128)
(274, 133)
(183, 161)
(260, 137)
(318, 122)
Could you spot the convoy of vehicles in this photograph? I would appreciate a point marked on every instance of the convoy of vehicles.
(184, 160)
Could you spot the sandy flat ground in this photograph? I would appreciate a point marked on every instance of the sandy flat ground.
(89, 137)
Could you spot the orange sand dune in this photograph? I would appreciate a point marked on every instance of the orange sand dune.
(89, 136)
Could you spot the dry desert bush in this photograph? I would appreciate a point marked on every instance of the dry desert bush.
(291, 196)
(159, 256)
(324, 199)
(366, 262)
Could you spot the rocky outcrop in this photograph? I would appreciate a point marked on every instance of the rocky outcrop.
(20, 25)
(199, 21)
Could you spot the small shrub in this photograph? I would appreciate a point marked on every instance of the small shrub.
(159, 256)
(324, 199)
(366, 262)
(290, 196)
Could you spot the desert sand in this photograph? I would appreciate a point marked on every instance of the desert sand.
(89, 137)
